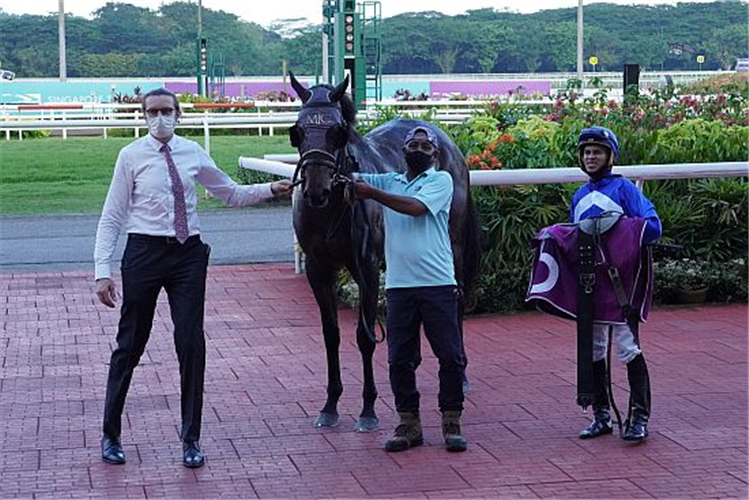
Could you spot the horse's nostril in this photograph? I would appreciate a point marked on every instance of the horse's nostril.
(325, 193)
(317, 201)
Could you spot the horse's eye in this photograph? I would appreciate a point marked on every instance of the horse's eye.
(336, 136)
(296, 136)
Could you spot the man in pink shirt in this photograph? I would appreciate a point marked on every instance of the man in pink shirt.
(152, 197)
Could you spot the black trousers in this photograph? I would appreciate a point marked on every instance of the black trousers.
(437, 309)
(149, 264)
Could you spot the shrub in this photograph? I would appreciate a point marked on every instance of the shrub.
(35, 134)
(707, 216)
(725, 281)
(729, 281)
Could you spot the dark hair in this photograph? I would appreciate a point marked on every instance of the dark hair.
(161, 91)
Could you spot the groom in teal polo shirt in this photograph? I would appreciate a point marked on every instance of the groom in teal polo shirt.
(421, 286)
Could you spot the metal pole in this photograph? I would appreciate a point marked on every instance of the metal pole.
(580, 67)
(325, 55)
(325, 62)
(201, 77)
(200, 18)
(61, 40)
(284, 72)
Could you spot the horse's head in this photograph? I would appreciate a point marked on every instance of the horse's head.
(320, 134)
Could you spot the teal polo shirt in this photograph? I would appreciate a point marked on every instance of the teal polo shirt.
(417, 249)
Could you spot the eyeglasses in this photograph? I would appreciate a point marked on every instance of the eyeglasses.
(154, 112)
(420, 145)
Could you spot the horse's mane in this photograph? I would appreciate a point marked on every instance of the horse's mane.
(348, 110)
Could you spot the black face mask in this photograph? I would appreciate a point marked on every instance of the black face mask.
(418, 160)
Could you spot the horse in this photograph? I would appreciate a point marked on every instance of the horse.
(337, 232)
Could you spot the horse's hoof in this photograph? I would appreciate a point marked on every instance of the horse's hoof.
(327, 420)
(367, 424)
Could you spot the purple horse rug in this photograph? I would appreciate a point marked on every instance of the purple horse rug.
(554, 277)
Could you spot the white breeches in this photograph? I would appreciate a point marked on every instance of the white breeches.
(624, 340)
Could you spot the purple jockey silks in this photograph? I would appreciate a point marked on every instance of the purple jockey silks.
(554, 277)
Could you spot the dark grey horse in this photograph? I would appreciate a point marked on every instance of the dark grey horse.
(336, 232)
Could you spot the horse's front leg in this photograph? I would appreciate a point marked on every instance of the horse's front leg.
(368, 281)
(321, 278)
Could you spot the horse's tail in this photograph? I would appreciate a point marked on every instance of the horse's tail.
(471, 245)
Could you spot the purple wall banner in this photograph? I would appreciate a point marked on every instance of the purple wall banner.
(234, 89)
(440, 88)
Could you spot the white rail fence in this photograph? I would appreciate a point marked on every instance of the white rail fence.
(258, 115)
(285, 164)
(263, 118)
(266, 117)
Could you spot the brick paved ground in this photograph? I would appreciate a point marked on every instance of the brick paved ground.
(266, 382)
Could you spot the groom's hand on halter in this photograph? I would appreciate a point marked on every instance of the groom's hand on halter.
(282, 188)
(363, 191)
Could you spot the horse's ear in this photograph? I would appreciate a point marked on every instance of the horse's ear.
(337, 93)
(300, 90)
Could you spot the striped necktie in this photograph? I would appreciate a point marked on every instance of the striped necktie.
(180, 211)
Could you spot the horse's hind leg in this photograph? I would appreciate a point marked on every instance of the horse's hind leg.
(322, 280)
(458, 262)
(366, 341)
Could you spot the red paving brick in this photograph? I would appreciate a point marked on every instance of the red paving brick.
(266, 382)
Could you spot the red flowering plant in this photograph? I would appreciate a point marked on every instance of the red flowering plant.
(487, 159)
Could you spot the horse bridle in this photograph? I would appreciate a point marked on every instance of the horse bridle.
(336, 163)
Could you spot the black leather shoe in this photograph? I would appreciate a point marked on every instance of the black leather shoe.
(598, 427)
(192, 455)
(111, 451)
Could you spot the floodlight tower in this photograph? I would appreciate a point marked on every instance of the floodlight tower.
(351, 46)
(201, 55)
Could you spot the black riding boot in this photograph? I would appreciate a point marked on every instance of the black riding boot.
(639, 400)
(602, 423)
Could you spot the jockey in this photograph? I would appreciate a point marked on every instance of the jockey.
(598, 151)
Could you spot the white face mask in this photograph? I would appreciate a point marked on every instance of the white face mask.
(161, 127)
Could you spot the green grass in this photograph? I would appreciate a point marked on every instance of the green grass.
(55, 176)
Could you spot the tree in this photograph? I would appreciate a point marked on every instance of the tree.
(728, 44)
(560, 40)
(162, 42)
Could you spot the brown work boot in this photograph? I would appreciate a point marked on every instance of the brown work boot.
(407, 434)
(454, 440)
